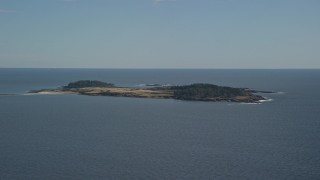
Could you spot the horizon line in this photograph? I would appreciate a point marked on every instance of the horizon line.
(162, 68)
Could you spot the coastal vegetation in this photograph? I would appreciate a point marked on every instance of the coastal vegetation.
(87, 83)
(193, 92)
(205, 91)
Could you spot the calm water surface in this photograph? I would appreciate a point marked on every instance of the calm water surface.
(82, 137)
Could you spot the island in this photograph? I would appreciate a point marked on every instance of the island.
(193, 92)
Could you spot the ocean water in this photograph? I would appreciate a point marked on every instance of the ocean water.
(83, 137)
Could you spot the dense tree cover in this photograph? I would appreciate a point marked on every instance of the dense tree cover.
(87, 83)
(201, 91)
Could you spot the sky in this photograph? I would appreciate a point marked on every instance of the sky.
(160, 34)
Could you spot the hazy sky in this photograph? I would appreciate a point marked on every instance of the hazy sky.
(160, 33)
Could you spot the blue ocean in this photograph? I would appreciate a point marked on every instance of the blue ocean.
(83, 137)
